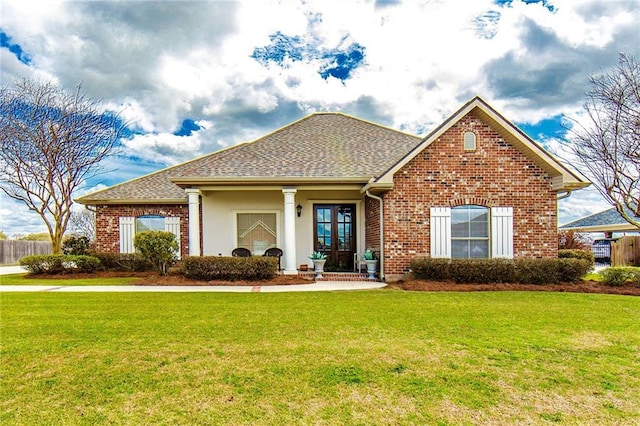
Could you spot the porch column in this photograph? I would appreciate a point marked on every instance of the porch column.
(194, 221)
(290, 231)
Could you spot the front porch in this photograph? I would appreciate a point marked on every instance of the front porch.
(337, 276)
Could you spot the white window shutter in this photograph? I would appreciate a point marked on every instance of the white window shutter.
(172, 224)
(440, 221)
(127, 231)
(502, 232)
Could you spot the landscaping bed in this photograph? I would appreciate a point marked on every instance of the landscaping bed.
(577, 287)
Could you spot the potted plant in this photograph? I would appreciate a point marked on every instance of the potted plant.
(372, 263)
(318, 260)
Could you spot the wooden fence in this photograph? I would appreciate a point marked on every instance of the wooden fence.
(12, 250)
(626, 252)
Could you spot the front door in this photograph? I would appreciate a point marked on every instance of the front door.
(335, 234)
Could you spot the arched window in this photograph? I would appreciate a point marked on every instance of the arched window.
(470, 232)
(469, 141)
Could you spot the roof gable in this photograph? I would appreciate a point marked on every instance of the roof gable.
(562, 178)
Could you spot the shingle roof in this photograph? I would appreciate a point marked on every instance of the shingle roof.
(608, 220)
(322, 145)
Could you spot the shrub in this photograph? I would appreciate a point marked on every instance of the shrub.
(537, 271)
(572, 270)
(619, 276)
(577, 254)
(83, 263)
(59, 264)
(124, 262)
(482, 271)
(568, 240)
(160, 248)
(209, 268)
(429, 268)
(76, 245)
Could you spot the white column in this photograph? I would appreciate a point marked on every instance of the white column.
(290, 231)
(194, 221)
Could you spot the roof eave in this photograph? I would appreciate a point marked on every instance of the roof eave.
(195, 181)
(117, 201)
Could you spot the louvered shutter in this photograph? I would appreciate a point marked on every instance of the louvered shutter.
(172, 224)
(502, 232)
(127, 231)
(440, 221)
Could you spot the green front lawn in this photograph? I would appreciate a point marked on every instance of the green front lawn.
(376, 357)
(62, 280)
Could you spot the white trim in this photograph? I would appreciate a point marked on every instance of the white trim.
(440, 232)
(126, 232)
(193, 196)
(172, 224)
(502, 232)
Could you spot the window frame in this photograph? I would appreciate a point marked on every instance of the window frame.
(235, 213)
(469, 237)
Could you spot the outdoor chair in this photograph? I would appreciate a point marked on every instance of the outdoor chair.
(241, 252)
(274, 252)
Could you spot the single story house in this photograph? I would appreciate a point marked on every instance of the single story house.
(476, 186)
(607, 222)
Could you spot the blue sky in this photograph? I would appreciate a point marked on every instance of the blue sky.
(192, 77)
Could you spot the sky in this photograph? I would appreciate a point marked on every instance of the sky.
(192, 77)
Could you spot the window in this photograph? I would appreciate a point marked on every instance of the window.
(469, 141)
(469, 232)
(256, 231)
(149, 223)
(129, 226)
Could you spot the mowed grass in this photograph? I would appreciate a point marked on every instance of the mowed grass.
(372, 357)
(23, 279)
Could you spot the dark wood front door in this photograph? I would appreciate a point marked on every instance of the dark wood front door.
(334, 234)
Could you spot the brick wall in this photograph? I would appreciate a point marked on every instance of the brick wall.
(108, 225)
(372, 223)
(445, 175)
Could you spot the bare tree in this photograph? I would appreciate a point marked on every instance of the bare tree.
(608, 145)
(51, 141)
(82, 223)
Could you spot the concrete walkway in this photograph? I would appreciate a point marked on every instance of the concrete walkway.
(319, 286)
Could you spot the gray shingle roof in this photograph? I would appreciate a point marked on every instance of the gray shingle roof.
(608, 217)
(322, 145)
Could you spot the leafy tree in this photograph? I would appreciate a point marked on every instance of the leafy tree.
(608, 145)
(158, 247)
(77, 246)
(51, 141)
(3, 236)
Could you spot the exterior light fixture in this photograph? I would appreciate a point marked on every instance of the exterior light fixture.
(299, 209)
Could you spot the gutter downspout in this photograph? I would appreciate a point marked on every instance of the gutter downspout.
(567, 194)
(375, 197)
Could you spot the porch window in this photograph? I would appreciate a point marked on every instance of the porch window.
(256, 231)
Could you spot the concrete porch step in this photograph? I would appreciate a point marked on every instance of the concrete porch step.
(337, 276)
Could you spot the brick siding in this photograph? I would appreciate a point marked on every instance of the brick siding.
(108, 223)
(496, 174)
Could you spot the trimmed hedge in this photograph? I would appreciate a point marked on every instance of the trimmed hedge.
(59, 264)
(208, 268)
(123, 262)
(484, 271)
(577, 254)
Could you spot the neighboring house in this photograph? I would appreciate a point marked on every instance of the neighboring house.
(476, 186)
(607, 222)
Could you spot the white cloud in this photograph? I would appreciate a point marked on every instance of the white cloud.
(160, 63)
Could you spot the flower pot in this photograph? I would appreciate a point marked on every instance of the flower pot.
(372, 266)
(318, 267)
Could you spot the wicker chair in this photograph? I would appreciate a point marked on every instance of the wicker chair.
(275, 252)
(241, 252)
